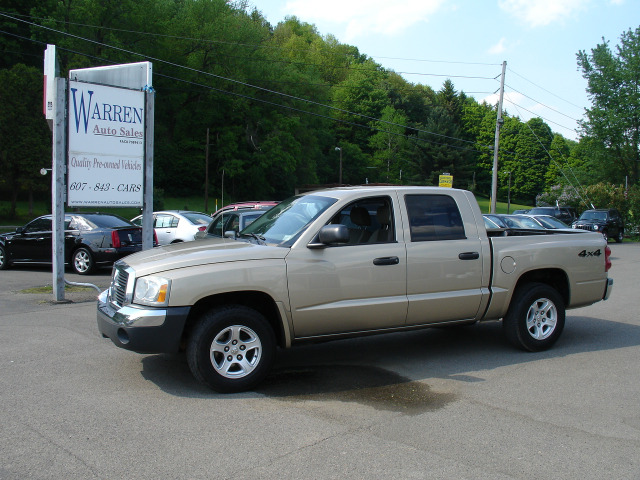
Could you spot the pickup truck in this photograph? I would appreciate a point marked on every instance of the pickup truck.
(347, 262)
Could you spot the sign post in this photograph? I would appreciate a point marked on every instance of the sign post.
(109, 159)
(57, 188)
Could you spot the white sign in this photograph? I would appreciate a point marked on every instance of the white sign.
(106, 146)
(50, 73)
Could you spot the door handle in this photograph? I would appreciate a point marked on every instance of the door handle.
(386, 261)
(469, 256)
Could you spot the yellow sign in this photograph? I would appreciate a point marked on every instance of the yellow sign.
(445, 181)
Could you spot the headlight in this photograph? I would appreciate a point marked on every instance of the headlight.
(152, 291)
(596, 227)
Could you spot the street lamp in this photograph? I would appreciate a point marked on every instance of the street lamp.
(338, 149)
(509, 195)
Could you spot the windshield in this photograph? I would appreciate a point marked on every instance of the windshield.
(286, 221)
(521, 222)
(197, 218)
(552, 222)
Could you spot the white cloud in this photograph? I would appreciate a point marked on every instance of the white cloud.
(365, 16)
(539, 13)
(499, 47)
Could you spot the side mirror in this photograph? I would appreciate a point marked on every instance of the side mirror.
(20, 230)
(231, 234)
(331, 235)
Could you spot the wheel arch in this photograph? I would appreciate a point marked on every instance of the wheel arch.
(256, 300)
(554, 277)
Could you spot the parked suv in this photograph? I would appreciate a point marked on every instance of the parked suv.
(607, 221)
(566, 214)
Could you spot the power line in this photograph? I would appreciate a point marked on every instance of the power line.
(538, 115)
(542, 88)
(540, 103)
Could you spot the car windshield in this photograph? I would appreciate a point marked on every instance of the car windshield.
(521, 222)
(91, 221)
(286, 221)
(551, 222)
(542, 211)
(197, 218)
(593, 216)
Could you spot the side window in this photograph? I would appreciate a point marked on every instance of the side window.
(223, 223)
(39, 225)
(216, 226)
(137, 221)
(369, 220)
(164, 221)
(434, 217)
(232, 223)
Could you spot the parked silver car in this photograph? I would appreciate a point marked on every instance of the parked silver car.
(172, 226)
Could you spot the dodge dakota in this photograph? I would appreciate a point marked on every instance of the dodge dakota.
(347, 262)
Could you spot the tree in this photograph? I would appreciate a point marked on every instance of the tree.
(25, 142)
(613, 85)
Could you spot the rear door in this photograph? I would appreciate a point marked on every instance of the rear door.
(166, 226)
(444, 261)
(354, 287)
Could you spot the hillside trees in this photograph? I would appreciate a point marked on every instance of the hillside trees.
(278, 100)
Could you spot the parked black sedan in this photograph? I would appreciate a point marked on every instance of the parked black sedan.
(90, 240)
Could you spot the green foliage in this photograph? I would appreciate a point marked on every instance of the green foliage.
(614, 88)
(25, 142)
(223, 67)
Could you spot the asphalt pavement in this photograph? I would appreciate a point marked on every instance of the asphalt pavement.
(455, 403)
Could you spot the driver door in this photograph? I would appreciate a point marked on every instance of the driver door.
(354, 287)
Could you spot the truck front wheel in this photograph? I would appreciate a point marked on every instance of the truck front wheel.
(535, 318)
(231, 348)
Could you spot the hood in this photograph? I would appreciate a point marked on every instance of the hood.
(199, 252)
(590, 221)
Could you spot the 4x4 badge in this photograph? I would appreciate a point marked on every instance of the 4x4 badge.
(584, 253)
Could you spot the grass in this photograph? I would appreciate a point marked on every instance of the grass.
(49, 289)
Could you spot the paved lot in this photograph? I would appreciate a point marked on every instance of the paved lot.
(437, 404)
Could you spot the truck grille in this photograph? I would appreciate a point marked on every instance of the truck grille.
(584, 227)
(119, 283)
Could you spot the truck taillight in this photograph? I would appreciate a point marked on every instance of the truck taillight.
(155, 238)
(607, 259)
(115, 239)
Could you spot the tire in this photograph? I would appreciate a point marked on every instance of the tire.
(620, 236)
(231, 349)
(82, 261)
(535, 318)
(4, 261)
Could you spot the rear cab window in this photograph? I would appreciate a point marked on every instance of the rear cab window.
(434, 217)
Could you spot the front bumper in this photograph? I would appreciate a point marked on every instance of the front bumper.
(142, 329)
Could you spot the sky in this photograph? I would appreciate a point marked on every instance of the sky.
(428, 41)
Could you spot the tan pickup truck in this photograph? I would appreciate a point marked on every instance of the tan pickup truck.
(347, 262)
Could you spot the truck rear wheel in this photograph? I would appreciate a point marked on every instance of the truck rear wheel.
(535, 318)
(231, 349)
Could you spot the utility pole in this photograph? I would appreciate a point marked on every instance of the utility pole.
(206, 174)
(499, 122)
